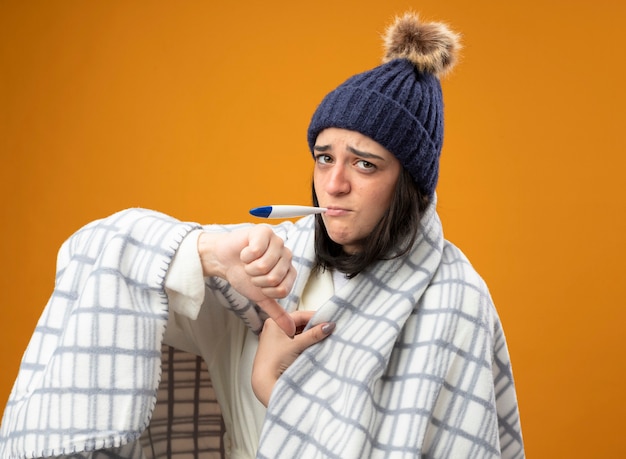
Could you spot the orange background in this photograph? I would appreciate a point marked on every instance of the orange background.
(199, 109)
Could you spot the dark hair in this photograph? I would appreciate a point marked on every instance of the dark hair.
(392, 237)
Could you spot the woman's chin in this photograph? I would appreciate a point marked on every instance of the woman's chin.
(349, 246)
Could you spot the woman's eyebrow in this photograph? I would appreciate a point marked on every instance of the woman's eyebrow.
(364, 154)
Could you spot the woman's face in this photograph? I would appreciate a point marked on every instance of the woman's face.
(355, 178)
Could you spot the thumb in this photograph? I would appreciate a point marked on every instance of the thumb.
(279, 315)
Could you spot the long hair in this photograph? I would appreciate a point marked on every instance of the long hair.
(392, 237)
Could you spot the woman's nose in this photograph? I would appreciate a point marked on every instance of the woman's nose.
(338, 182)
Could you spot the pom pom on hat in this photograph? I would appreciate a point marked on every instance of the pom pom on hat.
(399, 103)
(431, 46)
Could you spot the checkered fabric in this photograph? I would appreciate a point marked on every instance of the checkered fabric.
(187, 421)
(416, 367)
(89, 376)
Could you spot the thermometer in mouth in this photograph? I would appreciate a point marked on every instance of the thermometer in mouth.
(284, 211)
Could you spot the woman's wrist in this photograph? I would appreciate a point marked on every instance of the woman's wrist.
(262, 385)
(207, 245)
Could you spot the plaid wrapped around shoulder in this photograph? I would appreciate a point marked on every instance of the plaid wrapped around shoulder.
(89, 376)
(417, 367)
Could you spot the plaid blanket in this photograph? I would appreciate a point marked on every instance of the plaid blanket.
(89, 376)
(417, 366)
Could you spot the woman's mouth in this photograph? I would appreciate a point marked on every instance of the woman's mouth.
(333, 211)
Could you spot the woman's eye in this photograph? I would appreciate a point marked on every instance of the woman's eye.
(323, 159)
(366, 165)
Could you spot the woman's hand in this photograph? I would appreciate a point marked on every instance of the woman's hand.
(276, 352)
(256, 263)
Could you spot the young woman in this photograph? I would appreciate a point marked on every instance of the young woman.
(383, 340)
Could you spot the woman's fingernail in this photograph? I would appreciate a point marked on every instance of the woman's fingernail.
(328, 328)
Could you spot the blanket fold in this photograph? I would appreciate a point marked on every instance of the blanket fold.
(89, 375)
